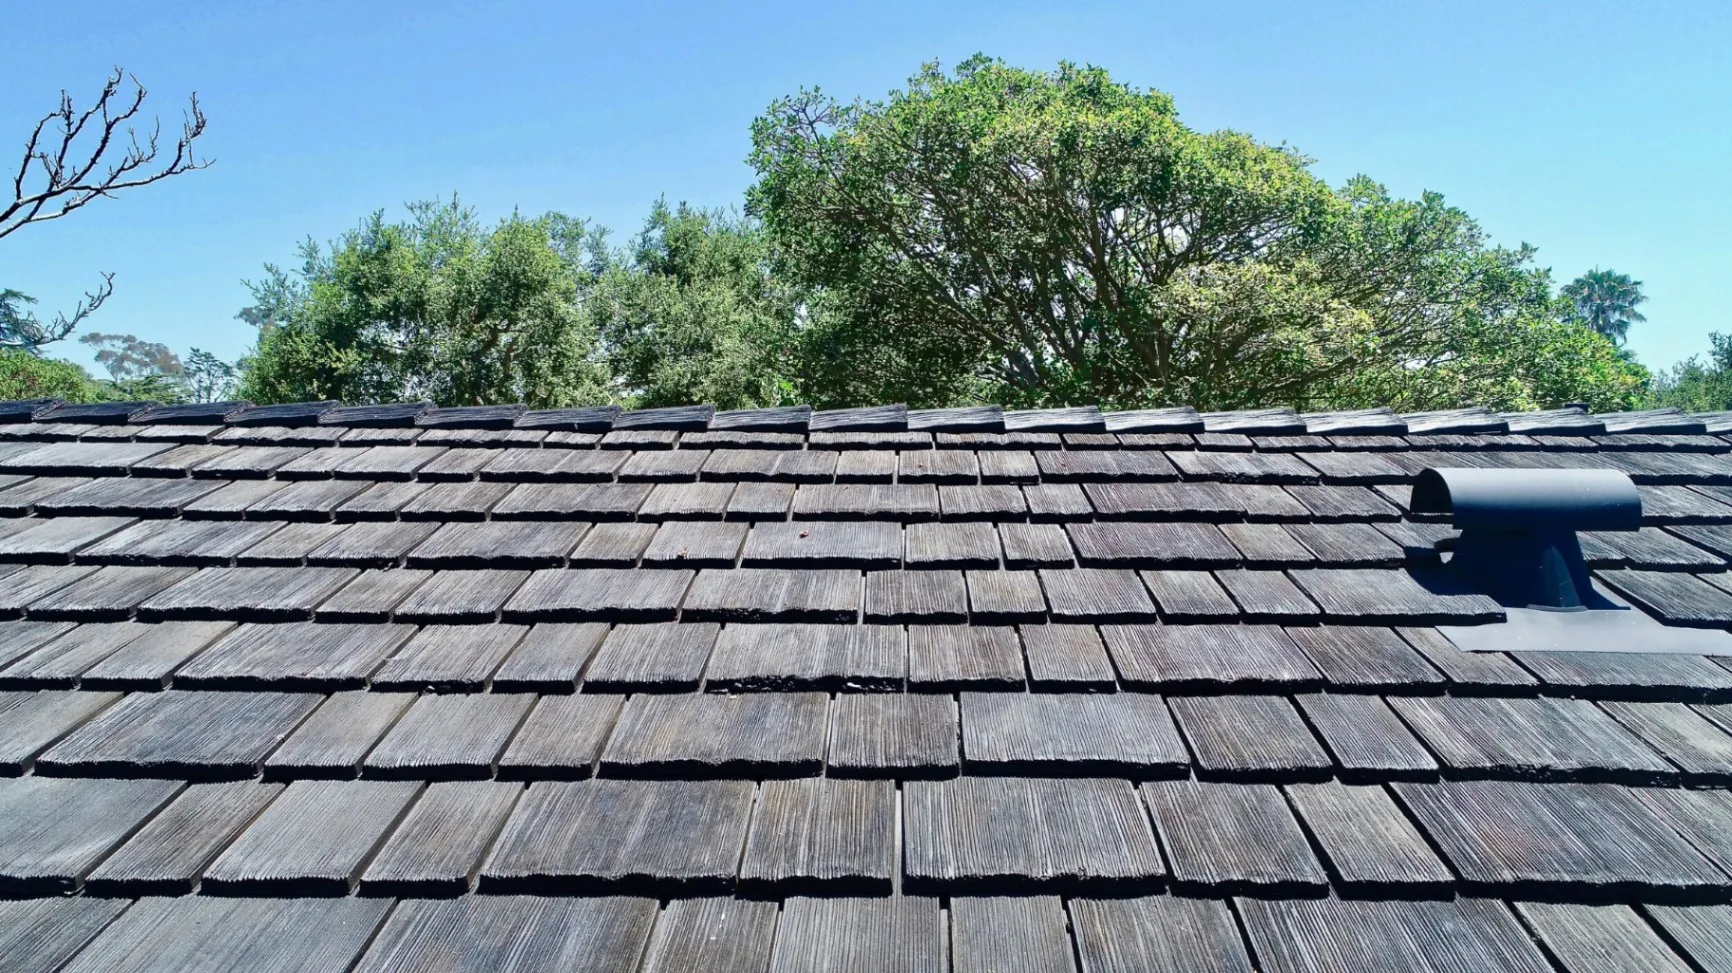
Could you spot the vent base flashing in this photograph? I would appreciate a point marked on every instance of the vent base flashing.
(1612, 626)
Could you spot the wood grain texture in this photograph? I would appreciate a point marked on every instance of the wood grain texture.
(1035, 546)
(1370, 848)
(982, 835)
(333, 740)
(905, 502)
(1331, 934)
(1152, 545)
(1066, 657)
(1534, 739)
(1003, 597)
(1157, 934)
(932, 597)
(561, 738)
(1368, 741)
(1067, 735)
(1096, 595)
(1250, 738)
(1697, 746)
(296, 656)
(1470, 673)
(312, 841)
(772, 595)
(723, 935)
(448, 738)
(498, 544)
(1190, 596)
(752, 735)
(947, 658)
(58, 663)
(951, 545)
(448, 658)
(1209, 658)
(1231, 839)
(247, 594)
(613, 545)
(168, 854)
(371, 596)
(191, 736)
(804, 657)
(599, 595)
(1010, 935)
(550, 658)
(196, 933)
(1369, 597)
(53, 832)
(1599, 939)
(151, 658)
(1361, 659)
(663, 657)
(436, 849)
(110, 594)
(1631, 675)
(818, 836)
(602, 836)
(832, 935)
(30, 722)
(459, 597)
(991, 504)
(38, 936)
(906, 736)
(1575, 842)
(696, 544)
(1704, 933)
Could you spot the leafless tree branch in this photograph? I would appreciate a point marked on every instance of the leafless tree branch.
(69, 161)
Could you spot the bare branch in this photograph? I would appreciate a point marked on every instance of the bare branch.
(63, 169)
(22, 330)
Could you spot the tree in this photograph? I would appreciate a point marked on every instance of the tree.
(1606, 301)
(1053, 239)
(692, 314)
(72, 158)
(127, 356)
(1695, 385)
(207, 377)
(438, 307)
(26, 376)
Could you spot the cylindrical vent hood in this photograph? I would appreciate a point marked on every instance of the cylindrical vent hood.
(1529, 500)
(1518, 529)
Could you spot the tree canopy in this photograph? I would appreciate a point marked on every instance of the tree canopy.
(1058, 238)
(438, 307)
(988, 234)
(1606, 301)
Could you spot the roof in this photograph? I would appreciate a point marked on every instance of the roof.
(380, 688)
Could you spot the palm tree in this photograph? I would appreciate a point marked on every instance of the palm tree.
(1606, 301)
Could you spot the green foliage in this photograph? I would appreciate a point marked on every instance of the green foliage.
(692, 314)
(1053, 239)
(207, 377)
(127, 356)
(1695, 385)
(438, 307)
(1606, 301)
(26, 376)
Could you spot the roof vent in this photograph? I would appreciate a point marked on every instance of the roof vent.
(1518, 528)
(1518, 544)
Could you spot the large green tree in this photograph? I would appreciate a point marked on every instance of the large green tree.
(1606, 301)
(437, 307)
(691, 313)
(1059, 238)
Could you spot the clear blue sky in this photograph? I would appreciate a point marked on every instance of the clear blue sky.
(1599, 132)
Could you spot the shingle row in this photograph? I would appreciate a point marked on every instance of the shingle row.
(388, 734)
(965, 836)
